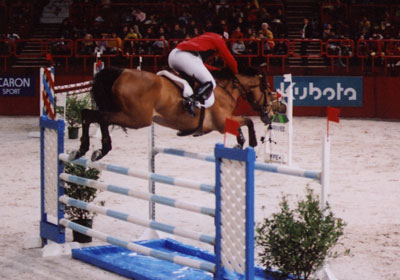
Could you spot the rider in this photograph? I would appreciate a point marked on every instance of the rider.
(188, 57)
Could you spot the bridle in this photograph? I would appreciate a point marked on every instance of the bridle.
(262, 105)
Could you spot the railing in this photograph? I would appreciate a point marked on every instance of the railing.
(280, 50)
(369, 50)
(20, 44)
(250, 48)
(346, 47)
(91, 48)
(390, 52)
(148, 48)
(385, 51)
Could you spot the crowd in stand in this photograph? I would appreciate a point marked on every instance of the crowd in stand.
(241, 22)
(232, 22)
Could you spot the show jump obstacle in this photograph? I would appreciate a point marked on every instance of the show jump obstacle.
(233, 242)
(52, 96)
(233, 256)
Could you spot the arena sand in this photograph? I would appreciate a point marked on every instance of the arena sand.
(364, 191)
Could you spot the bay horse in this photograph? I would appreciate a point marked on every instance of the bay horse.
(134, 98)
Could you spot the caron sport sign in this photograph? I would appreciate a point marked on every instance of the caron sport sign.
(17, 86)
(324, 91)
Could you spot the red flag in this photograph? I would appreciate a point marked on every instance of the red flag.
(232, 126)
(333, 114)
(278, 94)
(49, 57)
(99, 62)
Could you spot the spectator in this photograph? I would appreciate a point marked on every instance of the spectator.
(333, 47)
(267, 34)
(87, 46)
(139, 16)
(252, 44)
(365, 23)
(101, 45)
(238, 46)
(160, 45)
(222, 29)
(306, 33)
(66, 29)
(114, 45)
(129, 45)
(145, 46)
(177, 32)
(237, 33)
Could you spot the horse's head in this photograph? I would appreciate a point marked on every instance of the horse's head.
(255, 89)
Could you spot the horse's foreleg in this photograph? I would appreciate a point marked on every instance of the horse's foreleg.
(252, 133)
(240, 139)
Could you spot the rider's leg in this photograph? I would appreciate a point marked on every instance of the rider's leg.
(193, 66)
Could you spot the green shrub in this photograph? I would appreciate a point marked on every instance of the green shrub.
(74, 107)
(80, 192)
(298, 241)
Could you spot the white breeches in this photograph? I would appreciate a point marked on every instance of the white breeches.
(193, 66)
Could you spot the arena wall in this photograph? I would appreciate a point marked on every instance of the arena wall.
(380, 100)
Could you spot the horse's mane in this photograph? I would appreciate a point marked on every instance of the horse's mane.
(226, 73)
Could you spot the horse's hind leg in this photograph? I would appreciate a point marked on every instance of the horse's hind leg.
(105, 140)
(89, 117)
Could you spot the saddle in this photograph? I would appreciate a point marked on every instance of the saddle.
(187, 86)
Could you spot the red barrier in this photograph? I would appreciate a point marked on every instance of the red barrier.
(6, 50)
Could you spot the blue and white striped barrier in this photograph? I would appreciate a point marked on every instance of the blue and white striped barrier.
(133, 219)
(142, 174)
(137, 194)
(203, 265)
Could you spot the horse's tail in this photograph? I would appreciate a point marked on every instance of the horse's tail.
(101, 90)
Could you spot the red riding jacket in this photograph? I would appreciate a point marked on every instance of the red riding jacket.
(210, 41)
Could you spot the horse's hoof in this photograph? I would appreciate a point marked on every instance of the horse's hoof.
(97, 155)
(74, 155)
(238, 146)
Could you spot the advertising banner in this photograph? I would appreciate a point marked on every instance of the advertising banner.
(324, 91)
(17, 86)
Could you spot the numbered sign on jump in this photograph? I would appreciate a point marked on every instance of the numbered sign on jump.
(278, 139)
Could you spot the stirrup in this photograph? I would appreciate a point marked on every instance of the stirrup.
(188, 104)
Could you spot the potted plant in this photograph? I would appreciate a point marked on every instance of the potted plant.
(73, 117)
(297, 242)
(83, 193)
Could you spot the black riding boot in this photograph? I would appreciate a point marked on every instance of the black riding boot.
(202, 93)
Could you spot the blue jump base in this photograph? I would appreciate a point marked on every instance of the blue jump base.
(139, 267)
